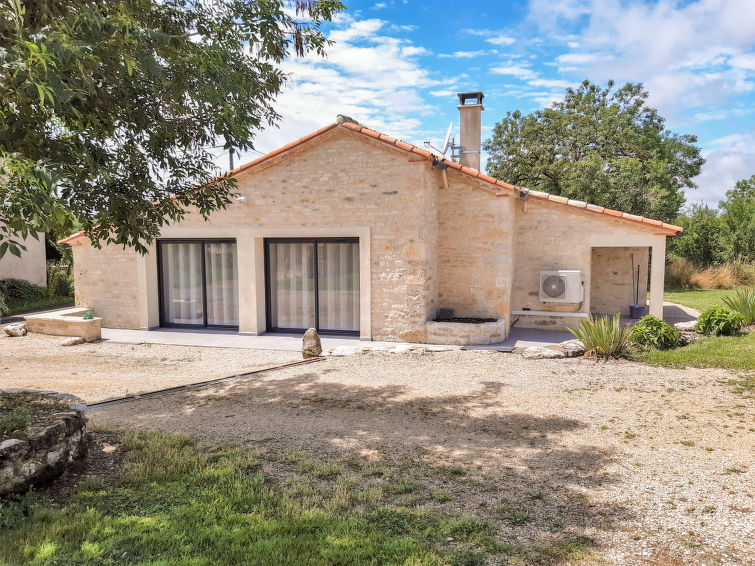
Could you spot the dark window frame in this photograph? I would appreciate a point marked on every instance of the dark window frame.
(268, 293)
(161, 298)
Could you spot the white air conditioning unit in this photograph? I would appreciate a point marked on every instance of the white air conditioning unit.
(562, 286)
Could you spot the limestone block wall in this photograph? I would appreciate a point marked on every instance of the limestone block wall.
(550, 236)
(106, 280)
(31, 266)
(475, 259)
(611, 281)
(340, 179)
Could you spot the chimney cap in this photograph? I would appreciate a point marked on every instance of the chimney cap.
(469, 98)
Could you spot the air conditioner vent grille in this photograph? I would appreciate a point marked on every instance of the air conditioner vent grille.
(554, 286)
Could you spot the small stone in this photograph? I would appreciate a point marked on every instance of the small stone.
(401, 349)
(689, 325)
(572, 348)
(10, 444)
(311, 347)
(73, 341)
(541, 352)
(16, 329)
(343, 351)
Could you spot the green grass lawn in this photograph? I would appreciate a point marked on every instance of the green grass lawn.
(733, 352)
(181, 503)
(699, 299)
(30, 305)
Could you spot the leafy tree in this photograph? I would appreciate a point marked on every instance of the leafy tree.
(705, 237)
(110, 107)
(601, 146)
(739, 216)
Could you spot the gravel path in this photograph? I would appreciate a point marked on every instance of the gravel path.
(104, 370)
(655, 465)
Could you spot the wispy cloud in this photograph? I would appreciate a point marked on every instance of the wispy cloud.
(467, 54)
(492, 37)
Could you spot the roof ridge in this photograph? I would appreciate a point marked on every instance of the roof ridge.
(349, 123)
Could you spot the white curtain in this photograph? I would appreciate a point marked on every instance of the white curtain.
(182, 283)
(222, 282)
(292, 284)
(338, 285)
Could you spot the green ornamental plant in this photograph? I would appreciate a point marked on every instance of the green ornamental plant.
(18, 289)
(720, 321)
(603, 336)
(743, 302)
(651, 332)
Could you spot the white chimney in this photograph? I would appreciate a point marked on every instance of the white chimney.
(470, 126)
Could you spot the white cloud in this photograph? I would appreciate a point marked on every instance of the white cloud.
(369, 74)
(380, 6)
(728, 160)
(552, 83)
(687, 54)
(466, 54)
(492, 37)
(515, 71)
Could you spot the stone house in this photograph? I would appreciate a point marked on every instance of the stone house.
(352, 231)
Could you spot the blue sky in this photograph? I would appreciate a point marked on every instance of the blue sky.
(397, 64)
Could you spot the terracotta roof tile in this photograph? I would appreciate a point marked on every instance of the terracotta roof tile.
(670, 228)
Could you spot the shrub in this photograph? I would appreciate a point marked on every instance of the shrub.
(59, 280)
(3, 306)
(18, 289)
(17, 419)
(605, 337)
(679, 272)
(720, 320)
(743, 302)
(651, 332)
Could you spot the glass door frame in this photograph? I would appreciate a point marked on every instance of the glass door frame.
(268, 294)
(202, 241)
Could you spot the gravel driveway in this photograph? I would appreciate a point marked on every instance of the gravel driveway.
(104, 370)
(655, 465)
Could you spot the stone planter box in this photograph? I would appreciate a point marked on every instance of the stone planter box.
(66, 322)
(42, 453)
(466, 333)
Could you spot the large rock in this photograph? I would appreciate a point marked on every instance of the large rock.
(541, 352)
(310, 344)
(16, 329)
(685, 326)
(572, 348)
(73, 341)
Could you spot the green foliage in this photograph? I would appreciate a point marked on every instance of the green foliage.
(733, 352)
(651, 332)
(743, 302)
(4, 308)
(18, 289)
(725, 235)
(601, 146)
(603, 336)
(720, 321)
(110, 107)
(182, 503)
(16, 419)
(59, 280)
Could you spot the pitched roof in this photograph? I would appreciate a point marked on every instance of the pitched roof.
(670, 229)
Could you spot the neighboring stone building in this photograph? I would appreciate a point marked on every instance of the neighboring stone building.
(31, 266)
(352, 231)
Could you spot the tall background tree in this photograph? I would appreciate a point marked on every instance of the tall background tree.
(599, 145)
(110, 107)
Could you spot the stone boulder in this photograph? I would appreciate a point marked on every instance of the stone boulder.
(686, 326)
(310, 344)
(572, 348)
(16, 329)
(541, 353)
(73, 341)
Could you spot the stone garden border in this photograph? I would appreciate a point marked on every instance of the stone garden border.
(42, 453)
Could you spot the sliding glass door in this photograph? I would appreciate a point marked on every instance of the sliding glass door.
(198, 282)
(313, 283)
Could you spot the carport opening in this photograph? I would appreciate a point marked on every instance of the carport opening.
(619, 278)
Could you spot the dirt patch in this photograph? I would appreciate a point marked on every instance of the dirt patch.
(633, 457)
(105, 370)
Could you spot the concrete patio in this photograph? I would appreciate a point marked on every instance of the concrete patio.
(518, 338)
